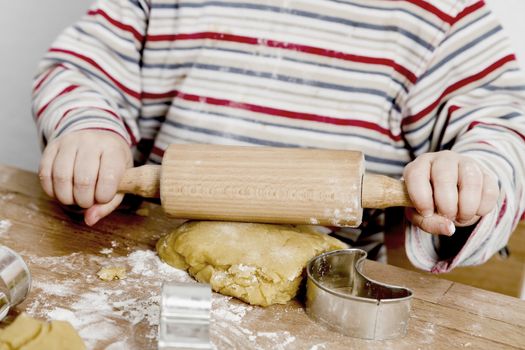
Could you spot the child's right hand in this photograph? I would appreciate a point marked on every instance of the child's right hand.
(85, 168)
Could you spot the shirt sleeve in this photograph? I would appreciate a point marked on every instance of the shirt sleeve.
(470, 98)
(90, 77)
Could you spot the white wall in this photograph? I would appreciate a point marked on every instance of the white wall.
(512, 16)
(27, 28)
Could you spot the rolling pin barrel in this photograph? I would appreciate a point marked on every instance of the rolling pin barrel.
(262, 184)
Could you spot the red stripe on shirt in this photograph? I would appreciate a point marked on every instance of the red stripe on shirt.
(502, 211)
(126, 126)
(128, 130)
(120, 25)
(46, 76)
(64, 115)
(61, 93)
(280, 112)
(454, 87)
(473, 124)
(432, 9)
(468, 10)
(288, 46)
(157, 151)
(92, 62)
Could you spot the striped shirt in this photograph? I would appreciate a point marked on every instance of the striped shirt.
(392, 78)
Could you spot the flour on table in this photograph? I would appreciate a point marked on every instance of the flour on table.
(281, 338)
(121, 345)
(95, 307)
(7, 197)
(61, 290)
(222, 310)
(106, 251)
(65, 315)
(33, 207)
(226, 317)
(5, 225)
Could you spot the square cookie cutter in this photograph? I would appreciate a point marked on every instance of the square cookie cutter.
(15, 280)
(185, 313)
(342, 299)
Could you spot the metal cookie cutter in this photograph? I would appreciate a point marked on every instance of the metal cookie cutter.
(341, 298)
(15, 280)
(185, 316)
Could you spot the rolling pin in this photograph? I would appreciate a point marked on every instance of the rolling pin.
(265, 184)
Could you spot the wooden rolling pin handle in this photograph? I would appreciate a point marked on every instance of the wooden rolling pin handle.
(381, 191)
(143, 181)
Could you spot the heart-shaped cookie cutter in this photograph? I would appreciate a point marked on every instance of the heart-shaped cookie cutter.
(342, 299)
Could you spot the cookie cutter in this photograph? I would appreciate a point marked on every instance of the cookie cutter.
(185, 313)
(342, 299)
(15, 280)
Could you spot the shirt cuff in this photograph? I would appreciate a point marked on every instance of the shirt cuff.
(425, 250)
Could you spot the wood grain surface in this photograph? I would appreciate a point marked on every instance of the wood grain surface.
(64, 256)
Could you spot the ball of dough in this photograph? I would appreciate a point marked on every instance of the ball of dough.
(260, 264)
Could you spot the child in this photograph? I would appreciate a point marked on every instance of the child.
(428, 90)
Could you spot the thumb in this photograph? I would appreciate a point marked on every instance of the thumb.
(98, 211)
(435, 224)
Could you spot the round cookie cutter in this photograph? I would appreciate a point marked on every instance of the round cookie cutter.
(342, 299)
(15, 280)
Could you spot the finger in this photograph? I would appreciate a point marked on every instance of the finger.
(470, 186)
(444, 177)
(434, 224)
(417, 180)
(112, 168)
(87, 163)
(469, 222)
(489, 195)
(45, 171)
(98, 211)
(63, 174)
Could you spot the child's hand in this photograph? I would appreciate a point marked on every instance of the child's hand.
(85, 168)
(448, 190)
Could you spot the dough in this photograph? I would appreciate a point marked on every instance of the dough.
(26, 333)
(258, 263)
(110, 273)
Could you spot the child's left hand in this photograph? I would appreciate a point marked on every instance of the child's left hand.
(448, 190)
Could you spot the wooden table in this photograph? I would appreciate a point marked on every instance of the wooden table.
(65, 255)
